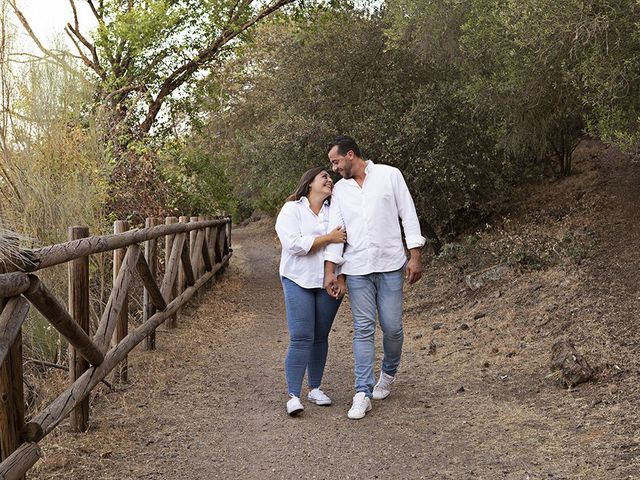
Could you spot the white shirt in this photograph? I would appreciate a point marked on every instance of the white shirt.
(297, 226)
(371, 215)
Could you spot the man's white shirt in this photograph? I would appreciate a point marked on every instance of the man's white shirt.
(371, 215)
(297, 227)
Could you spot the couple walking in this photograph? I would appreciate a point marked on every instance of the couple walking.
(339, 237)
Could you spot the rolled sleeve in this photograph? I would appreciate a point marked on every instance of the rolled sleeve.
(333, 251)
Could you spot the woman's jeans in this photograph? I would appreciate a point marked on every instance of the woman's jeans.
(310, 314)
(381, 292)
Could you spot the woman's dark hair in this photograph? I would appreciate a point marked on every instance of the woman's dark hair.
(302, 189)
(344, 144)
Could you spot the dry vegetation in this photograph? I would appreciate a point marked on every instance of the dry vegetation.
(475, 399)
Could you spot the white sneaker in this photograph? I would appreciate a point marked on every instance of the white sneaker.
(294, 406)
(361, 405)
(318, 397)
(383, 387)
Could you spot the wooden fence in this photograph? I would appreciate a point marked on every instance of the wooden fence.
(196, 248)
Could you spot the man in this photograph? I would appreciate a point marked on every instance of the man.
(370, 201)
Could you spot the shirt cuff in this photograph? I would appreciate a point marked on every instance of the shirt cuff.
(338, 260)
(306, 243)
(415, 241)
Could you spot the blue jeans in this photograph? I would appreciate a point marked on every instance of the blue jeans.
(310, 314)
(381, 292)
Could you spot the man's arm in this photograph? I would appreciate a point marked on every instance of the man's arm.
(411, 225)
(333, 251)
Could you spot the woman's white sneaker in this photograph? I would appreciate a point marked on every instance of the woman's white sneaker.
(382, 389)
(318, 397)
(361, 405)
(294, 406)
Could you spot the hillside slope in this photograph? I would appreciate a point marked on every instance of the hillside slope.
(562, 263)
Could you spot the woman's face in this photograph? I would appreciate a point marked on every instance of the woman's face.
(322, 184)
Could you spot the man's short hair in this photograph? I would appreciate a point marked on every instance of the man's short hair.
(344, 144)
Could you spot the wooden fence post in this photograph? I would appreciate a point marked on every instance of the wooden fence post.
(11, 398)
(182, 278)
(168, 245)
(79, 310)
(195, 264)
(120, 373)
(210, 236)
(151, 255)
(203, 234)
(228, 235)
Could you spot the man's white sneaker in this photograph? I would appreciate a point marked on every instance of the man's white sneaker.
(361, 405)
(318, 397)
(294, 407)
(383, 387)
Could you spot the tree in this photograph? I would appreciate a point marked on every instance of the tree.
(145, 51)
(605, 40)
(521, 62)
(144, 56)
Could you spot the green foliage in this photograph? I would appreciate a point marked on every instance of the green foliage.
(197, 184)
(607, 40)
(519, 56)
(303, 81)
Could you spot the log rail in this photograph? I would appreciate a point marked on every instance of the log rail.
(194, 252)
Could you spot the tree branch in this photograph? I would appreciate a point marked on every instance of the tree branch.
(75, 14)
(125, 90)
(83, 57)
(94, 11)
(25, 24)
(182, 73)
(94, 53)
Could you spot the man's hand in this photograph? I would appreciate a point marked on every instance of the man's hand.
(341, 287)
(330, 283)
(414, 266)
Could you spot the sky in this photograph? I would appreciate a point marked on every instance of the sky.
(49, 17)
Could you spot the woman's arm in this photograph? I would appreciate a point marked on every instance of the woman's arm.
(289, 233)
(337, 235)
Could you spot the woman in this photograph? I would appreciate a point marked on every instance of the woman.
(302, 230)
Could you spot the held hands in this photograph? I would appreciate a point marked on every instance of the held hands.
(337, 235)
(340, 288)
(335, 286)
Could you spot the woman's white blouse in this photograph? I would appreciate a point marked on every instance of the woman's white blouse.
(297, 226)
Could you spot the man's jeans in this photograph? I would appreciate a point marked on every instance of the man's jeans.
(368, 293)
(310, 314)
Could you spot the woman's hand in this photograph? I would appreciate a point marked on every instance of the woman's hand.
(337, 235)
(340, 287)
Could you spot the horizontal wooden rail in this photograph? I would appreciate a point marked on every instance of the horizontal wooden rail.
(63, 252)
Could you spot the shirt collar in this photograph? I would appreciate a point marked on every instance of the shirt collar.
(369, 166)
(305, 201)
(367, 171)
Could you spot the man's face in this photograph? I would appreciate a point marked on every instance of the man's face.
(341, 163)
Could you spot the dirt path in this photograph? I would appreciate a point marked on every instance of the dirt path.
(217, 411)
(474, 397)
